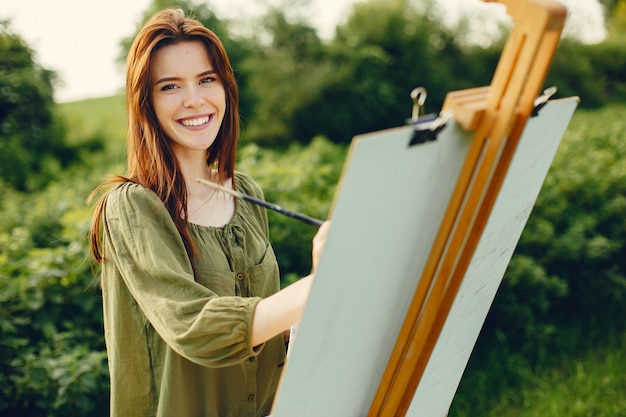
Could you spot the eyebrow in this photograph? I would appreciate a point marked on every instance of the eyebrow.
(170, 79)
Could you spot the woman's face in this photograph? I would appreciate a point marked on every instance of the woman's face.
(188, 97)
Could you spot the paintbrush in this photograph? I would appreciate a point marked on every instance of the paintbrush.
(302, 217)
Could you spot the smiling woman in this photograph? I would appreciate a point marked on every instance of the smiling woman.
(189, 100)
(193, 315)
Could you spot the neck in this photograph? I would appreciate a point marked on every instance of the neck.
(192, 167)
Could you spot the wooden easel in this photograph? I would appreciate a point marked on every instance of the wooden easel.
(417, 249)
(498, 114)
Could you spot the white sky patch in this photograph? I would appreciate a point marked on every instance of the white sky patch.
(79, 39)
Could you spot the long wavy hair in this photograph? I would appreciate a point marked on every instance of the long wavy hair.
(151, 161)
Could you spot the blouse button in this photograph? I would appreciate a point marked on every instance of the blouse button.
(250, 397)
(251, 359)
(240, 276)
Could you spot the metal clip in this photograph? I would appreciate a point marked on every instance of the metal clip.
(425, 128)
(543, 99)
(418, 95)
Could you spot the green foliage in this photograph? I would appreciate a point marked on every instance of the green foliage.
(283, 73)
(52, 353)
(419, 50)
(584, 201)
(609, 5)
(32, 140)
(525, 302)
(609, 65)
(569, 265)
(561, 294)
(25, 116)
(616, 17)
(301, 179)
(350, 99)
(598, 76)
(565, 288)
(62, 378)
(358, 82)
(589, 382)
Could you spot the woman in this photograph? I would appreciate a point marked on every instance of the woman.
(193, 314)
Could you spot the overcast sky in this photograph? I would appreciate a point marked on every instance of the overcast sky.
(80, 38)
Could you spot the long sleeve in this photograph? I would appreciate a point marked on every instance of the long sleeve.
(179, 344)
(144, 247)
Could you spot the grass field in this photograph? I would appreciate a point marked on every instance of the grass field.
(592, 384)
(104, 116)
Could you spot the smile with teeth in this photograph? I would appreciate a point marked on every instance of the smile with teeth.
(195, 122)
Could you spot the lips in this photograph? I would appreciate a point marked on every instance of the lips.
(195, 122)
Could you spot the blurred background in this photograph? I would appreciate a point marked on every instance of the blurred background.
(312, 74)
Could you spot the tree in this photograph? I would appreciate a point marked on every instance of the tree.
(285, 70)
(383, 51)
(617, 20)
(609, 5)
(31, 140)
(358, 82)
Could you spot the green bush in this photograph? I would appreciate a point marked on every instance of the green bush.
(52, 357)
(564, 292)
(62, 377)
(575, 236)
(301, 179)
(598, 76)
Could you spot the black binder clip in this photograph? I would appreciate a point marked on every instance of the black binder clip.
(542, 100)
(427, 127)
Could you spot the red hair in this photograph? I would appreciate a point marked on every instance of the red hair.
(151, 161)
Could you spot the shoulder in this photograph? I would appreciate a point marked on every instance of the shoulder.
(131, 192)
(131, 196)
(244, 183)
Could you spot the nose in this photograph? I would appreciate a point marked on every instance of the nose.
(192, 97)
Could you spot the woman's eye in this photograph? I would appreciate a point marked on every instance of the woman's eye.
(168, 87)
(207, 80)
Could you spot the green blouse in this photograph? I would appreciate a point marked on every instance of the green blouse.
(180, 347)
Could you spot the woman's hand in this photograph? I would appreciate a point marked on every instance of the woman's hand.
(319, 241)
(276, 313)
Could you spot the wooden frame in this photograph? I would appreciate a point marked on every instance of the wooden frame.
(498, 113)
